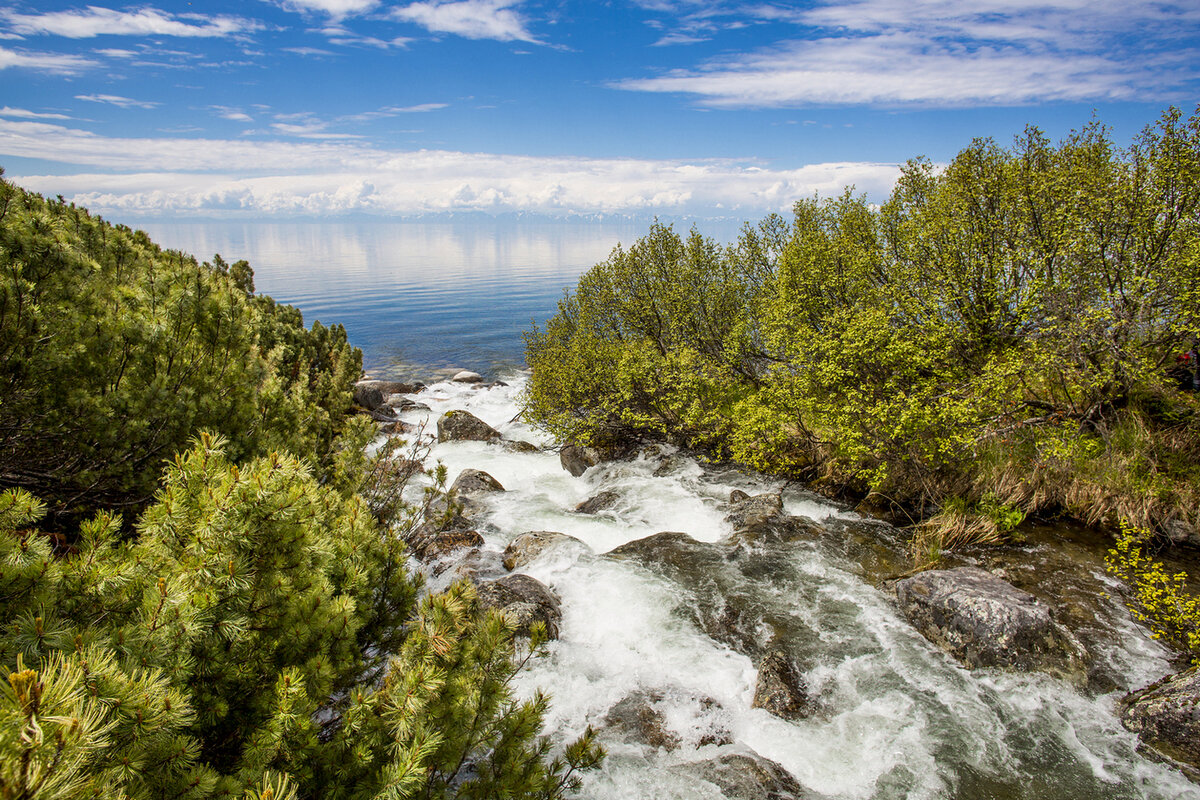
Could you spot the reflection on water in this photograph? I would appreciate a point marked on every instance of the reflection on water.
(418, 298)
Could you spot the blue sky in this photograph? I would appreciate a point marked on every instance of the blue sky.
(280, 108)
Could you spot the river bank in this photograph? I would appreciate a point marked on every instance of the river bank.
(661, 643)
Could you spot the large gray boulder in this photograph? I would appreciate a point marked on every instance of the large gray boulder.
(459, 426)
(466, 376)
(640, 717)
(430, 542)
(781, 688)
(576, 459)
(525, 601)
(1166, 718)
(531, 544)
(984, 621)
(762, 516)
(594, 505)
(747, 776)
(473, 482)
(371, 394)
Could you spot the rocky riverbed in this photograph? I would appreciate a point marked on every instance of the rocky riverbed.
(733, 637)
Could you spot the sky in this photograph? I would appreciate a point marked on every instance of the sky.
(278, 109)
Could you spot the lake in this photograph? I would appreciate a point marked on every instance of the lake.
(419, 299)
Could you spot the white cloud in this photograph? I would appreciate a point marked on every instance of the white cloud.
(54, 63)
(945, 52)
(472, 19)
(334, 8)
(234, 114)
(96, 21)
(22, 113)
(279, 178)
(116, 100)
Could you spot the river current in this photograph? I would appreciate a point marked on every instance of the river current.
(894, 717)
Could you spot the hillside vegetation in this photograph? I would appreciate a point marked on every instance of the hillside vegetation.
(994, 340)
(202, 587)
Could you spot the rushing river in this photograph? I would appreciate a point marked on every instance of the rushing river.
(894, 717)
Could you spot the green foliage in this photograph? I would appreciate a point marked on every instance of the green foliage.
(1000, 328)
(1160, 599)
(242, 623)
(232, 648)
(114, 352)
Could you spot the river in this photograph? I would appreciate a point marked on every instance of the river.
(894, 717)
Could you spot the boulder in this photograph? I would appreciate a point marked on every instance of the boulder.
(747, 776)
(636, 718)
(428, 543)
(984, 621)
(1166, 718)
(600, 502)
(576, 459)
(471, 482)
(466, 376)
(531, 544)
(760, 516)
(395, 427)
(371, 394)
(518, 446)
(525, 601)
(781, 688)
(458, 426)
(367, 395)
(639, 718)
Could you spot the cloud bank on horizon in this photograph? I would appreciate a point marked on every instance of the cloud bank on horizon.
(697, 107)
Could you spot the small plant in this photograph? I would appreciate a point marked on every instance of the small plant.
(1160, 600)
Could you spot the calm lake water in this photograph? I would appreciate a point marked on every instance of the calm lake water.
(418, 298)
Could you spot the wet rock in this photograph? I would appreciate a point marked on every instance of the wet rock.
(531, 544)
(466, 376)
(471, 482)
(640, 718)
(518, 446)
(600, 502)
(1166, 717)
(576, 459)
(401, 402)
(984, 621)
(458, 425)
(395, 428)
(368, 395)
(477, 566)
(781, 688)
(428, 543)
(525, 601)
(761, 516)
(637, 719)
(371, 394)
(747, 776)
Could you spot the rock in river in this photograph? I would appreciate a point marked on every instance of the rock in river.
(1166, 717)
(781, 688)
(531, 544)
(602, 501)
(747, 776)
(474, 482)
(984, 621)
(458, 426)
(525, 601)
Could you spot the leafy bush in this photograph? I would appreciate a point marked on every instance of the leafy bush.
(1001, 327)
(114, 352)
(1160, 599)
